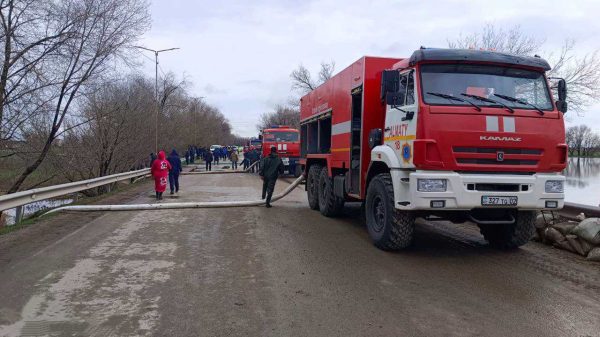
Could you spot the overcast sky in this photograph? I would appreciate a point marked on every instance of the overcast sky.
(239, 54)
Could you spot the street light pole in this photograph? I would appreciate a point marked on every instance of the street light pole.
(156, 52)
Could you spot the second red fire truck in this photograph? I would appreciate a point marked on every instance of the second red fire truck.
(287, 142)
(444, 134)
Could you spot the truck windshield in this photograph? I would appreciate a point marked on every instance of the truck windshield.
(281, 136)
(460, 80)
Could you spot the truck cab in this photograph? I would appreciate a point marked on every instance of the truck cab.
(453, 135)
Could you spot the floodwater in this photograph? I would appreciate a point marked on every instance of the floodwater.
(8, 216)
(583, 181)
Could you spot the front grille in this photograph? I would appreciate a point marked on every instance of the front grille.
(497, 156)
(484, 161)
(494, 187)
(461, 149)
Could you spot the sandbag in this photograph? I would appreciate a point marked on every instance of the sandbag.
(574, 242)
(552, 235)
(589, 230)
(543, 220)
(565, 227)
(586, 246)
(564, 245)
(594, 254)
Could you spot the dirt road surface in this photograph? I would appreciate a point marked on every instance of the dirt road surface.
(285, 271)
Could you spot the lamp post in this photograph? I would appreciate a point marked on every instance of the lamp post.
(156, 52)
(195, 123)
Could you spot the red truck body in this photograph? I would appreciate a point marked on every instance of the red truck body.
(333, 99)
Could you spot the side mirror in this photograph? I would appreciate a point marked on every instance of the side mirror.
(562, 90)
(375, 138)
(561, 104)
(390, 82)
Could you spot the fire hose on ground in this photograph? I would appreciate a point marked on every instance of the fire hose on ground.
(177, 205)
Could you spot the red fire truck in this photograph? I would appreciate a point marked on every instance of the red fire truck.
(445, 134)
(287, 142)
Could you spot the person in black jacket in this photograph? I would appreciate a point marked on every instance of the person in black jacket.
(175, 162)
(270, 169)
(208, 158)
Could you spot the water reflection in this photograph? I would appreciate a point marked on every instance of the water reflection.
(583, 181)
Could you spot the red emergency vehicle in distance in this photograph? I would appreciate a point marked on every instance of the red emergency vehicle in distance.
(445, 134)
(287, 141)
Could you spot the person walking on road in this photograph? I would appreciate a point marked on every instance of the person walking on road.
(160, 171)
(234, 160)
(270, 169)
(187, 157)
(208, 158)
(176, 168)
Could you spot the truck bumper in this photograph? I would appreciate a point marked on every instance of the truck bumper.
(466, 191)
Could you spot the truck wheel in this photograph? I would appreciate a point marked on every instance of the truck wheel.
(312, 186)
(512, 235)
(329, 204)
(297, 170)
(389, 228)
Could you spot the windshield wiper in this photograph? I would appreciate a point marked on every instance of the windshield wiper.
(489, 100)
(520, 101)
(452, 98)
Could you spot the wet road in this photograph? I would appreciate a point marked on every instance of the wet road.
(285, 271)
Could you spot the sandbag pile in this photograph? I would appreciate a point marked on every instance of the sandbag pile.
(581, 237)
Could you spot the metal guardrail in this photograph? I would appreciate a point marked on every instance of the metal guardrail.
(17, 199)
(571, 210)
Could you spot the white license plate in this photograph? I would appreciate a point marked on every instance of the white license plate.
(286, 161)
(498, 201)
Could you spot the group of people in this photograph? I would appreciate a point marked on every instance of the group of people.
(163, 168)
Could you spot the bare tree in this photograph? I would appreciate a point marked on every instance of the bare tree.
(512, 41)
(101, 33)
(582, 140)
(303, 82)
(282, 115)
(582, 73)
(30, 32)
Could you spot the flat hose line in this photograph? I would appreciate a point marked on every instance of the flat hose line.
(176, 205)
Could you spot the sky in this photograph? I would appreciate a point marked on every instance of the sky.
(239, 54)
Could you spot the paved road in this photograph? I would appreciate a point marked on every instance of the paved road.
(285, 271)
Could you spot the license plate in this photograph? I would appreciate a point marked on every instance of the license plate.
(286, 161)
(498, 201)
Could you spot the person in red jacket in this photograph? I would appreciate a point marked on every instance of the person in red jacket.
(160, 172)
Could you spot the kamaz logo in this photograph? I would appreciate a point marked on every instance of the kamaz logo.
(504, 139)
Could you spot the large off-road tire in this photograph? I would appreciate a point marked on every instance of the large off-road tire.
(329, 204)
(389, 228)
(510, 236)
(312, 186)
(297, 170)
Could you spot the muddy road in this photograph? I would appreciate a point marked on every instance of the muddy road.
(285, 271)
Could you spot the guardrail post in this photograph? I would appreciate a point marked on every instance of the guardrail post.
(18, 214)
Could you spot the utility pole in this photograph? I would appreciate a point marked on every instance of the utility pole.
(156, 90)
(195, 123)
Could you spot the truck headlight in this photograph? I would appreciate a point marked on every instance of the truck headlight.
(431, 185)
(554, 186)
